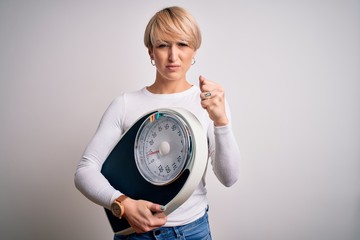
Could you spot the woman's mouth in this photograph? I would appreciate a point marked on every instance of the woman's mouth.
(173, 67)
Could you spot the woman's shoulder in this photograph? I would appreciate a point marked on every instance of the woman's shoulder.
(126, 96)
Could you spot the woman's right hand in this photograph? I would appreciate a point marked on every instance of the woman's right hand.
(143, 216)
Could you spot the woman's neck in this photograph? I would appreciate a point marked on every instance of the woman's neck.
(169, 86)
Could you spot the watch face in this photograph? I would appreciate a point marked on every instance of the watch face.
(162, 147)
(116, 209)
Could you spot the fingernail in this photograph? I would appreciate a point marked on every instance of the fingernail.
(162, 208)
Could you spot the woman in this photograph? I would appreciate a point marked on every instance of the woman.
(172, 38)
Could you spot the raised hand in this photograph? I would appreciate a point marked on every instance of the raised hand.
(213, 100)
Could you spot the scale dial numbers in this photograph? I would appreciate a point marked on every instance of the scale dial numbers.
(162, 148)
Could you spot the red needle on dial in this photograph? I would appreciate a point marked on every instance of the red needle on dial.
(151, 153)
(163, 150)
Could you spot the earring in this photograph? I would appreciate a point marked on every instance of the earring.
(193, 61)
(152, 62)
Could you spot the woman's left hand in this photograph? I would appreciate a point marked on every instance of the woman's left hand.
(213, 100)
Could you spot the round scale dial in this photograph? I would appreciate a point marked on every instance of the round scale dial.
(162, 147)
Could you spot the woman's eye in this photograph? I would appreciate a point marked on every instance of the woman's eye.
(182, 44)
(163, 45)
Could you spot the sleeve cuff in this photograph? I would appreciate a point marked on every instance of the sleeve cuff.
(219, 130)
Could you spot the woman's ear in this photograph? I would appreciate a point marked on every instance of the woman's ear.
(151, 54)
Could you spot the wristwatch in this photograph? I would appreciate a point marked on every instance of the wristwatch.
(117, 208)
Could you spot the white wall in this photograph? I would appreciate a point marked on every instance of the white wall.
(291, 70)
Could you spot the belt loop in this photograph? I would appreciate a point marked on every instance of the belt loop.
(156, 233)
(178, 234)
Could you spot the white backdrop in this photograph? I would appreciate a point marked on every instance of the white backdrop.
(291, 71)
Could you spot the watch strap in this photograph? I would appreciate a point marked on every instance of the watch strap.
(121, 198)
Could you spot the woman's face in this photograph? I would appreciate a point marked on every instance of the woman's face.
(172, 58)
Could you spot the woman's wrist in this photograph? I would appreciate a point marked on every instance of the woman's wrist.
(221, 122)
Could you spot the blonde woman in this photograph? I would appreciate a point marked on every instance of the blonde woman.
(172, 38)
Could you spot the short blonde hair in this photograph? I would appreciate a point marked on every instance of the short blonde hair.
(172, 23)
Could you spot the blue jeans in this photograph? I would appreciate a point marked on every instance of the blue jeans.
(197, 230)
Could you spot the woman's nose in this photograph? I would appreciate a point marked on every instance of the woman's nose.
(173, 53)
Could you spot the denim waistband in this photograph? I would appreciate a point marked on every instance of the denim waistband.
(197, 227)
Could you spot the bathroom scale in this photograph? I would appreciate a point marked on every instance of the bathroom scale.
(161, 158)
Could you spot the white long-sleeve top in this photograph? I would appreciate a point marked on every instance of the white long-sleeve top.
(121, 114)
